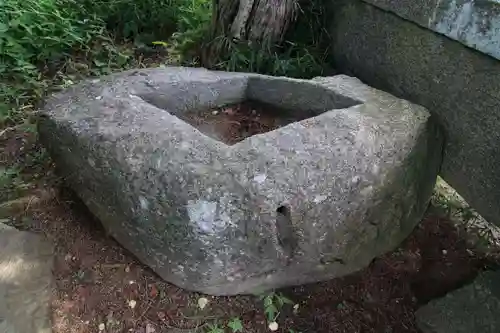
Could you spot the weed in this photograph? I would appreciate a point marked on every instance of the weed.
(11, 183)
(235, 325)
(7, 176)
(214, 328)
(194, 18)
(145, 20)
(45, 44)
(273, 303)
(31, 33)
(301, 55)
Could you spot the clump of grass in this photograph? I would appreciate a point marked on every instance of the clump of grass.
(47, 43)
(194, 18)
(33, 32)
(291, 59)
(132, 19)
(301, 55)
(10, 182)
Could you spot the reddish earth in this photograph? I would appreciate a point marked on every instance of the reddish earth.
(234, 123)
(383, 298)
(98, 282)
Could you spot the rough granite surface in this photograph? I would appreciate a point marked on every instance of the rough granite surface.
(473, 308)
(459, 86)
(473, 23)
(25, 282)
(313, 200)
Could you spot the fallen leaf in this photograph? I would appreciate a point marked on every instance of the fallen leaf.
(202, 302)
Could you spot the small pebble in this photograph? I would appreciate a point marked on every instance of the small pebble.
(102, 327)
(150, 328)
(202, 302)
(215, 112)
(445, 252)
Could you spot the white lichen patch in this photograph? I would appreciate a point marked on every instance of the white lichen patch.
(91, 162)
(159, 161)
(144, 203)
(366, 191)
(207, 215)
(260, 178)
(319, 199)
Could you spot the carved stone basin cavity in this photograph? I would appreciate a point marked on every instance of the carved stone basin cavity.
(229, 183)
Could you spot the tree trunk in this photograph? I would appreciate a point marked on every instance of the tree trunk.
(260, 23)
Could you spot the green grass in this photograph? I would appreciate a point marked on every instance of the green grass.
(36, 36)
(47, 44)
(11, 183)
(302, 55)
(131, 19)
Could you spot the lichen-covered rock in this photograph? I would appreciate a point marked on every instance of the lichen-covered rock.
(309, 201)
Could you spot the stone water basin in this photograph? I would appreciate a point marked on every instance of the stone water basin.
(235, 183)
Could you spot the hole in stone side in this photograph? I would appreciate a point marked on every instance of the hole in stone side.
(334, 260)
(285, 230)
(235, 122)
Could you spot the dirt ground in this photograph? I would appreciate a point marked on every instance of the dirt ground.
(102, 287)
(234, 123)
